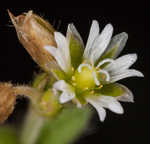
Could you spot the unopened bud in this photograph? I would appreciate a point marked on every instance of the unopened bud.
(34, 33)
(7, 100)
(49, 103)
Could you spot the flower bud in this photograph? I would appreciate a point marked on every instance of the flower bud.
(34, 33)
(49, 103)
(7, 100)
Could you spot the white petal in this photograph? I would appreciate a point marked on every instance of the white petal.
(60, 85)
(124, 74)
(63, 49)
(118, 41)
(127, 96)
(111, 103)
(72, 29)
(122, 63)
(79, 105)
(94, 32)
(62, 44)
(101, 111)
(67, 91)
(101, 43)
(66, 96)
(58, 56)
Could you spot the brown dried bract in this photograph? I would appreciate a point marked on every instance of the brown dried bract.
(7, 100)
(34, 33)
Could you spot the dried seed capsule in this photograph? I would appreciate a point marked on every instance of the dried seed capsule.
(34, 33)
(7, 100)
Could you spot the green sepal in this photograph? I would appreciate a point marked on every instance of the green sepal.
(39, 81)
(76, 51)
(110, 53)
(115, 47)
(112, 90)
(50, 83)
(65, 128)
(8, 135)
(60, 74)
(76, 45)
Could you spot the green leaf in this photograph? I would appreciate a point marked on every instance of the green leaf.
(8, 136)
(112, 90)
(65, 128)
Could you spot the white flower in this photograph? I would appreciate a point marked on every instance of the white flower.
(90, 75)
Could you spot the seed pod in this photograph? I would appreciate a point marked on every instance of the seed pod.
(7, 100)
(34, 33)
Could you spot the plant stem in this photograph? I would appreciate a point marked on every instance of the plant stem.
(31, 127)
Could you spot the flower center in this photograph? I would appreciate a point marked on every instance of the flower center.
(83, 78)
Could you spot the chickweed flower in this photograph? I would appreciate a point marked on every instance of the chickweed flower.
(89, 73)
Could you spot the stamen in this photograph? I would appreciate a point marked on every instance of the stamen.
(92, 92)
(74, 84)
(106, 73)
(95, 78)
(86, 88)
(100, 86)
(83, 65)
(72, 68)
(104, 61)
(73, 78)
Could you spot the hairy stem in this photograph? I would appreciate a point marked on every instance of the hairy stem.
(31, 127)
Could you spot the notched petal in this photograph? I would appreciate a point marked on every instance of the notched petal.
(101, 43)
(66, 96)
(127, 96)
(94, 32)
(101, 111)
(112, 104)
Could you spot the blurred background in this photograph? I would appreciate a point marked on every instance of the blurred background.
(17, 66)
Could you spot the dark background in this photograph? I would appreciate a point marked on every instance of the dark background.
(17, 66)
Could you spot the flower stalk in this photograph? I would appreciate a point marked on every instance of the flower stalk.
(31, 128)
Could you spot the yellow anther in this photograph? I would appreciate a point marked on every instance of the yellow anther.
(72, 68)
(100, 86)
(86, 88)
(92, 92)
(74, 84)
(73, 78)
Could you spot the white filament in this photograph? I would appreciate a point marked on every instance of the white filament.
(104, 61)
(95, 78)
(83, 65)
(106, 73)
